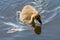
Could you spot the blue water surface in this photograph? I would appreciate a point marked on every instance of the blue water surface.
(12, 29)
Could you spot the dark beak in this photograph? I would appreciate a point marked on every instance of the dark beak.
(39, 20)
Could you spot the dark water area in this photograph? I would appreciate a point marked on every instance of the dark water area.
(12, 29)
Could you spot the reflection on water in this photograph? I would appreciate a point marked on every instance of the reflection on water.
(9, 22)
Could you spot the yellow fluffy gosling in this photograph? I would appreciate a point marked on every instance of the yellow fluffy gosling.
(29, 15)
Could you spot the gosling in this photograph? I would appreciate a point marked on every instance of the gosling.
(29, 15)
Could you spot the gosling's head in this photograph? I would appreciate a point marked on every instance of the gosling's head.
(37, 17)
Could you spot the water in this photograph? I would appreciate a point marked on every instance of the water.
(10, 26)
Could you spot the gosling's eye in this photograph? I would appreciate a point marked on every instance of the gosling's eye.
(37, 17)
